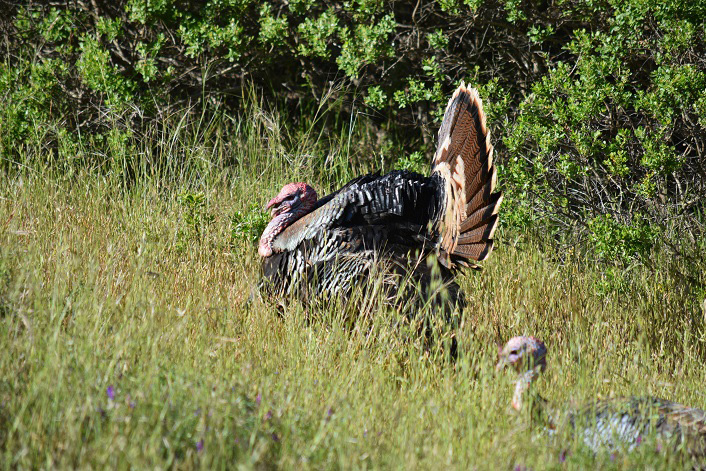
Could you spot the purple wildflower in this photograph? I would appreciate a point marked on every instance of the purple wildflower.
(659, 447)
(612, 456)
(110, 391)
(197, 412)
(639, 439)
(275, 437)
(258, 399)
(131, 404)
(199, 445)
(562, 456)
(268, 416)
(330, 411)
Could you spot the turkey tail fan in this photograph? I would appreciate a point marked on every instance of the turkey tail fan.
(464, 162)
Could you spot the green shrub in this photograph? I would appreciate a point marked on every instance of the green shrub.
(195, 216)
(248, 225)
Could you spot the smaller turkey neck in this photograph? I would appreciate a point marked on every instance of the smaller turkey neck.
(541, 408)
(278, 224)
(521, 387)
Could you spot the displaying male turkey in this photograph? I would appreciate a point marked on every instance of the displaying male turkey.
(606, 424)
(392, 222)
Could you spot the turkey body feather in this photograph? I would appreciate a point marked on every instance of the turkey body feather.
(373, 220)
(372, 200)
(625, 422)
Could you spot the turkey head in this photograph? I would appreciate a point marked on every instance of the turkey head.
(527, 356)
(292, 202)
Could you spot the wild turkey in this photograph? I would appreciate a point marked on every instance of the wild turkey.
(329, 245)
(606, 424)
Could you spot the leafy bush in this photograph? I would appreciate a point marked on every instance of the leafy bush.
(195, 217)
(249, 225)
(617, 127)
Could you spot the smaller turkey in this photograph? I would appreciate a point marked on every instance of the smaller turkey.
(620, 423)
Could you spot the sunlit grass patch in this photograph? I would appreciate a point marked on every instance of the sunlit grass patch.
(128, 339)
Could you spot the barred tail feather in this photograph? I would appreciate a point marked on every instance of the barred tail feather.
(464, 161)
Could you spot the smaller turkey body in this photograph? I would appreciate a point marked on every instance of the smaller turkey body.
(626, 422)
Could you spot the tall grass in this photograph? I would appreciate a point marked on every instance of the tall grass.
(128, 339)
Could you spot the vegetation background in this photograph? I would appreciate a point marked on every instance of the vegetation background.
(139, 140)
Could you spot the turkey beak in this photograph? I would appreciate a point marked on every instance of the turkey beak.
(271, 205)
(502, 361)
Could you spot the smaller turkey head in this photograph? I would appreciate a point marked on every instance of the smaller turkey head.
(292, 202)
(527, 355)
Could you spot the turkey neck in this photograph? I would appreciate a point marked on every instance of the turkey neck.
(276, 226)
(522, 386)
(540, 409)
